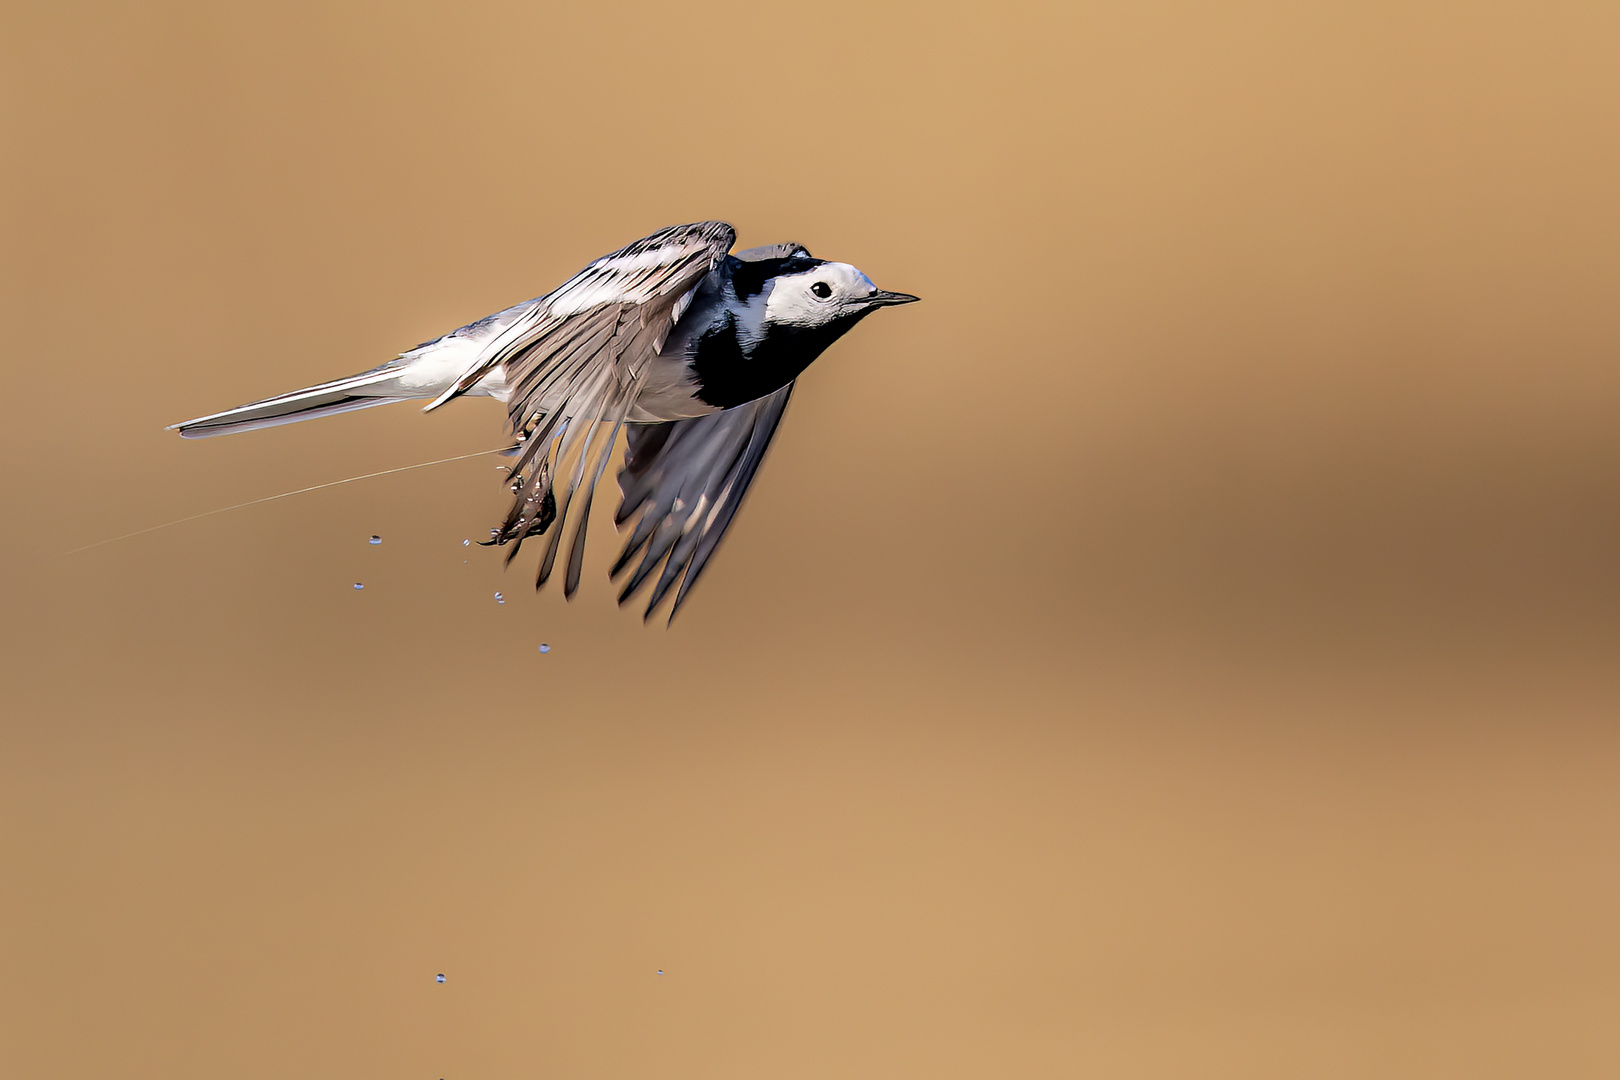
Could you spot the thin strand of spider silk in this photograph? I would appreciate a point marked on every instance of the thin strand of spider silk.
(283, 495)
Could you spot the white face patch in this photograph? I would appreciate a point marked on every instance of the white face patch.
(795, 299)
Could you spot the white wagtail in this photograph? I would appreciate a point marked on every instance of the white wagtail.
(693, 348)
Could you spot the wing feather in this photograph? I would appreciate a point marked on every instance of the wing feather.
(575, 359)
(687, 479)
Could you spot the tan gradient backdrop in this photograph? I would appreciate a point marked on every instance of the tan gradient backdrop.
(1183, 646)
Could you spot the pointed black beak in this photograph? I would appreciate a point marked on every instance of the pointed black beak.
(884, 299)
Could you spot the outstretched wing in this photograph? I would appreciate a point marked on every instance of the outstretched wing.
(577, 359)
(688, 477)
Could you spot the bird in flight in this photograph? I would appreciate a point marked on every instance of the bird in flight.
(690, 349)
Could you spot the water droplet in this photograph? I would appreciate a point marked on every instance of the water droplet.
(545, 648)
(494, 534)
(438, 978)
(466, 543)
(660, 971)
(376, 539)
(358, 585)
(499, 599)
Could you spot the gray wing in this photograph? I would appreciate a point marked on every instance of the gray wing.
(576, 359)
(687, 478)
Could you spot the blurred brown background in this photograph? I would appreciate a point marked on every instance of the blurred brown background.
(1183, 646)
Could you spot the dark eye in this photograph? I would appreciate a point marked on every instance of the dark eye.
(821, 289)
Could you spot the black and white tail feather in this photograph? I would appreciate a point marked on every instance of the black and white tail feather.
(326, 399)
(571, 367)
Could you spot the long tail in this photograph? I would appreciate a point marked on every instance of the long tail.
(374, 387)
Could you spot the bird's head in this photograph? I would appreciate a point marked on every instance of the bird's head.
(809, 294)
